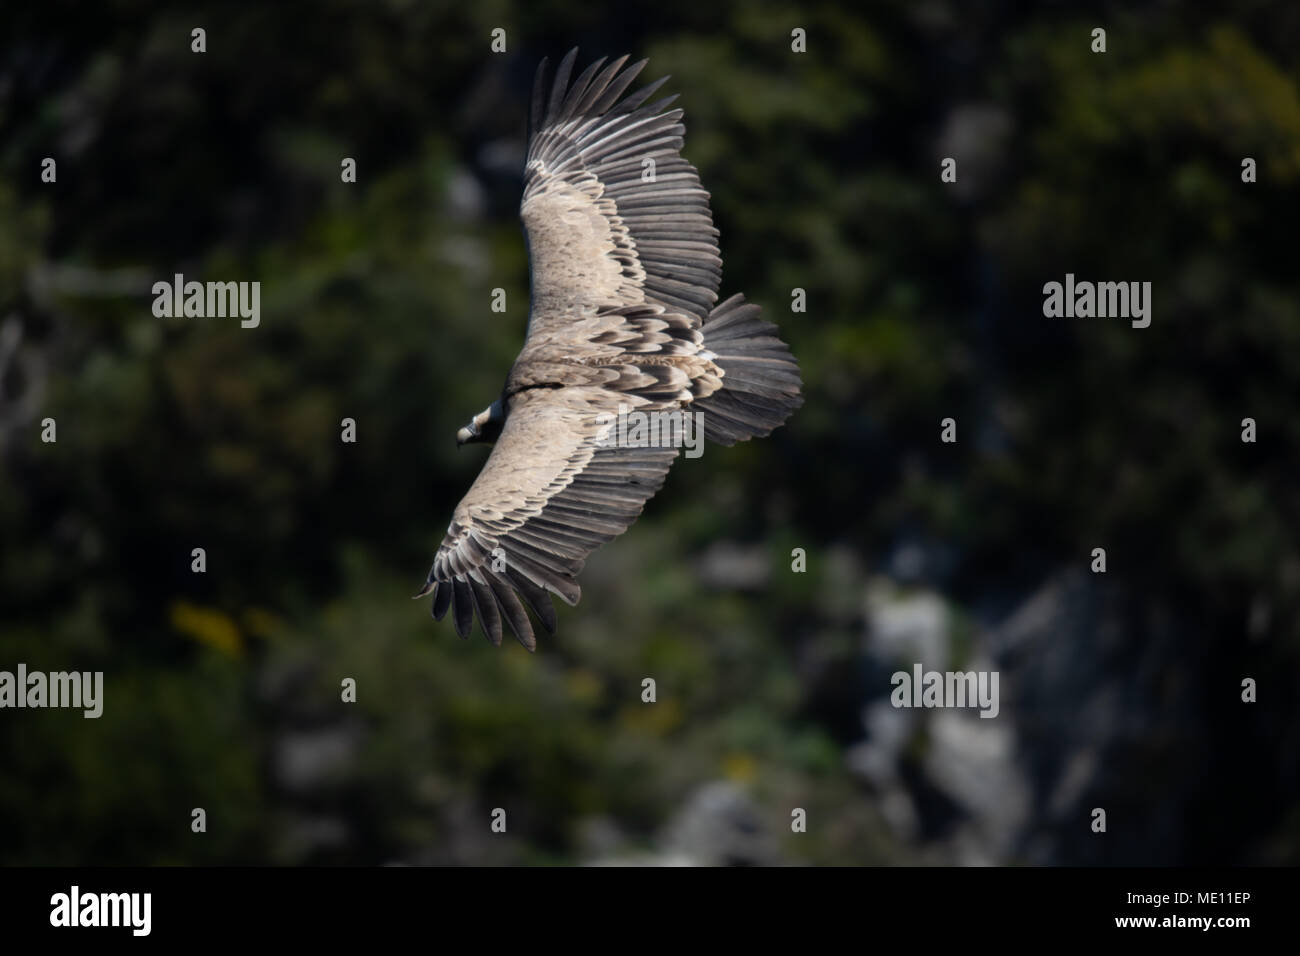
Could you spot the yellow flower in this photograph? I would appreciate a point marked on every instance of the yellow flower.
(207, 626)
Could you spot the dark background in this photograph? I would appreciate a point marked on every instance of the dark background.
(1119, 691)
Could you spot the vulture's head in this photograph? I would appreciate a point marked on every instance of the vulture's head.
(485, 426)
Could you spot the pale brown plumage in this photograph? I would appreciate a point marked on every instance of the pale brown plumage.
(625, 272)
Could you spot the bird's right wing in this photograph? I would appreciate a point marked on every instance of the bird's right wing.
(614, 215)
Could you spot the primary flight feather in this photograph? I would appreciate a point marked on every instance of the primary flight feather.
(624, 268)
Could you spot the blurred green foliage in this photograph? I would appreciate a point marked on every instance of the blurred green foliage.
(923, 303)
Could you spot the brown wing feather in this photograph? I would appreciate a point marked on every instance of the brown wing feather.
(614, 214)
(548, 496)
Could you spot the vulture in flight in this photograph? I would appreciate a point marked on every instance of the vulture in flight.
(625, 270)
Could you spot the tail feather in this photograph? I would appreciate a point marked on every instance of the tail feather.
(760, 382)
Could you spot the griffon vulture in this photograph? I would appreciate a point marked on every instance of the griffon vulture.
(624, 267)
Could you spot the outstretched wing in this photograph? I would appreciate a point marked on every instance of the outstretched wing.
(552, 491)
(614, 214)
(624, 262)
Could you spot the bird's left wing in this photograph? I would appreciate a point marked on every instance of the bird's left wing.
(554, 489)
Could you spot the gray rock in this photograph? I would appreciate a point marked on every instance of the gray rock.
(720, 826)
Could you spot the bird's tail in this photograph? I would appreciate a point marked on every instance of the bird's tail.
(760, 383)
